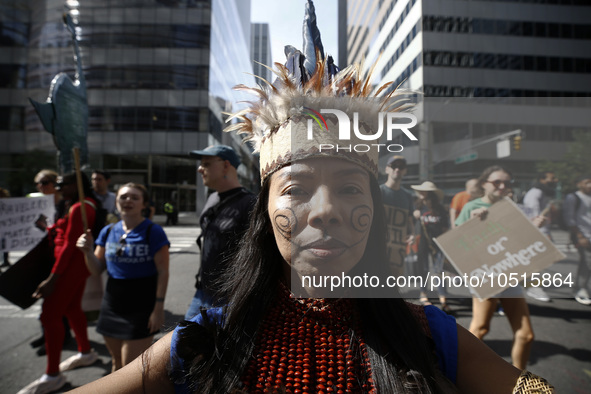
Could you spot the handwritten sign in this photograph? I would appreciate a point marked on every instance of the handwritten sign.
(17, 221)
(397, 224)
(499, 251)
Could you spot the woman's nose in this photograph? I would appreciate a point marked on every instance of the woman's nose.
(323, 209)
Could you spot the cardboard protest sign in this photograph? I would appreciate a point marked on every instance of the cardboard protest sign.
(17, 221)
(397, 224)
(500, 251)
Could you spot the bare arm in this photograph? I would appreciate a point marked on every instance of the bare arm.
(452, 217)
(95, 262)
(146, 374)
(480, 370)
(161, 259)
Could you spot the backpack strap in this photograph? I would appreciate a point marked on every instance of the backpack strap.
(574, 233)
(577, 202)
(108, 231)
(214, 210)
(148, 230)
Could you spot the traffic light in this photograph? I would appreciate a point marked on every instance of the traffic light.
(517, 142)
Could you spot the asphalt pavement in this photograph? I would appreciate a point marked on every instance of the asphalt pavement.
(561, 351)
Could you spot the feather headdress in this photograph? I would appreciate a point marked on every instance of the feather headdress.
(277, 122)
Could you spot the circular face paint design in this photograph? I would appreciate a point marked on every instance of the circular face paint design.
(321, 210)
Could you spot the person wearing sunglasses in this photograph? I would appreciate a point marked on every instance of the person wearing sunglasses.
(134, 251)
(496, 182)
(45, 183)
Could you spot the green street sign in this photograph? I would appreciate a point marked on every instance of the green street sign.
(467, 157)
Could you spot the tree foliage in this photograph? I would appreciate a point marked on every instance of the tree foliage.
(576, 161)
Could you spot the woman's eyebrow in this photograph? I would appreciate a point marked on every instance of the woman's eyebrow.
(295, 174)
(351, 172)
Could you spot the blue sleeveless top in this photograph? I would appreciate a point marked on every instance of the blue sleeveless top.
(442, 326)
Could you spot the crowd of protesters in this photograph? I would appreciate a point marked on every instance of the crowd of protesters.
(128, 329)
(133, 250)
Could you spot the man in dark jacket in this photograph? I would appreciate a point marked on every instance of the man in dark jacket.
(223, 221)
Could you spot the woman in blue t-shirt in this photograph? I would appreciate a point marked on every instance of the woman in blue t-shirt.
(134, 252)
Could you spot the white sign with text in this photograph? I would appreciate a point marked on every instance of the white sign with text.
(17, 221)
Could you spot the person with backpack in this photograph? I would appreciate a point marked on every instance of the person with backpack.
(63, 289)
(537, 202)
(577, 216)
(223, 220)
(134, 251)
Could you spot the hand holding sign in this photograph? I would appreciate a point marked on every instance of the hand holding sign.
(505, 244)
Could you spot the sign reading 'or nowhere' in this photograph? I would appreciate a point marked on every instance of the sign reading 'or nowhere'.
(499, 251)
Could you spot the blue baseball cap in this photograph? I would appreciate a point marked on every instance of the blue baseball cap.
(224, 152)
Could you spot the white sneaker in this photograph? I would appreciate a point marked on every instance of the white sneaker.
(45, 384)
(79, 360)
(582, 297)
(538, 293)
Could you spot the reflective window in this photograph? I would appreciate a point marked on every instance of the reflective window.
(13, 76)
(144, 118)
(14, 34)
(449, 24)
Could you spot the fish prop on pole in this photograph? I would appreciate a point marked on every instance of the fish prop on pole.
(65, 112)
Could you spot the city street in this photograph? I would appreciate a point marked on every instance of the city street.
(561, 351)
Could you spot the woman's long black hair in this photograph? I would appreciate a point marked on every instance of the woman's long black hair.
(215, 354)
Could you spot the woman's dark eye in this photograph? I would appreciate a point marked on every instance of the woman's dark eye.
(350, 190)
(295, 191)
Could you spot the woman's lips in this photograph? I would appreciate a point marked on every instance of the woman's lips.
(326, 248)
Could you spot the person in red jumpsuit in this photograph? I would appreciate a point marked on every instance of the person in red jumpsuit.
(63, 289)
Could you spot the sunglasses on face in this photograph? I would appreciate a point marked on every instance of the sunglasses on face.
(400, 166)
(62, 184)
(122, 243)
(499, 182)
(44, 183)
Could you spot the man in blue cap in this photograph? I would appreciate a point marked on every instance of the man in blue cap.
(223, 220)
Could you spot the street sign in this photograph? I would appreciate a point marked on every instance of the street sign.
(467, 157)
(503, 149)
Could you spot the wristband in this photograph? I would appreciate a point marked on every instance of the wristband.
(159, 299)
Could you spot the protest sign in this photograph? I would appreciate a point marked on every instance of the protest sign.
(500, 251)
(17, 221)
(397, 224)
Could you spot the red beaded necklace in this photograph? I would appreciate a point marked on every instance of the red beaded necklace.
(309, 346)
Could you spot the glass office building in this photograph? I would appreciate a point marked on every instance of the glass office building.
(490, 52)
(158, 75)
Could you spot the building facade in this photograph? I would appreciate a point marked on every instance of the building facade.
(260, 50)
(158, 75)
(483, 68)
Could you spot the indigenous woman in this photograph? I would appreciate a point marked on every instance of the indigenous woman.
(496, 182)
(319, 215)
(62, 291)
(434, 221)
(134, 252)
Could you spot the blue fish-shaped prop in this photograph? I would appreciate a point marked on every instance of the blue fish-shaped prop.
(65, 112)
